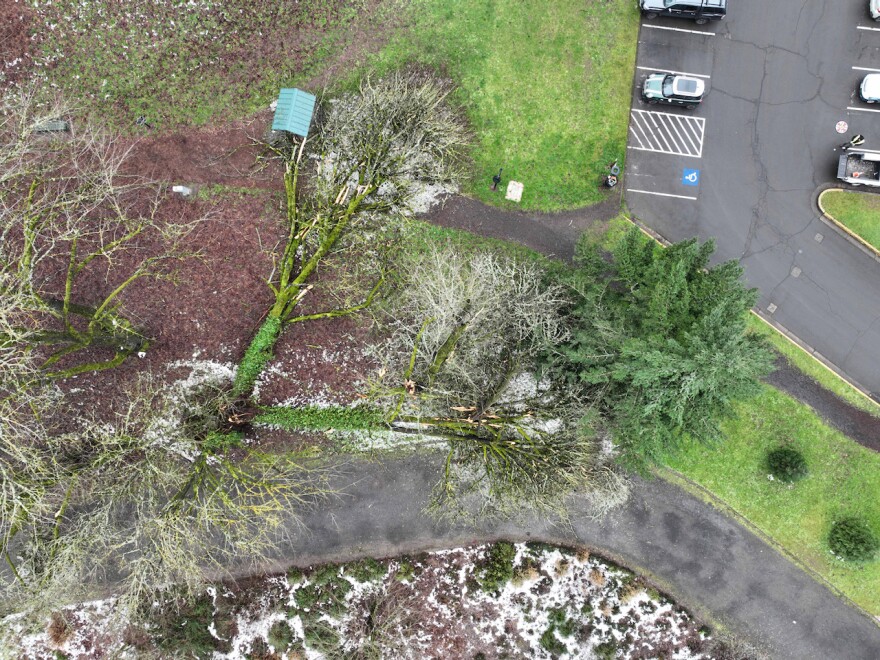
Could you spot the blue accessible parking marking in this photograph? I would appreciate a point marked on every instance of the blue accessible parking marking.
(690, 177)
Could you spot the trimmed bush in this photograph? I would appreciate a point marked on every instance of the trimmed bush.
(281, 636)
(367, 570)
(551, 643)
(851, 539)
(786, 464)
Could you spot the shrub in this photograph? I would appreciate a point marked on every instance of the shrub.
(322, 638)
(184, 631)
(498, 569)
(367, 570)
(280, 636)
(406, 571)
(606, 650)
(59, 628)
(851, 539)
(551, 643)
(786, 464)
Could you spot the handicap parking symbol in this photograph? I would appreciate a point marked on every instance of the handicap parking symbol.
(690, 177)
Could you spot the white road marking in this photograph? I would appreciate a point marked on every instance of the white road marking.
(710, 34)
(660, 194)
(660, 130)
(862, 27)
(849, 107)
(685, 73)
(667, 133)
(869, 151)
(691, 139)
(864, 68)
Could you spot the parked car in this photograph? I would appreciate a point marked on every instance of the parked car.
(874, 8)
(673, 89)
(700, 11)
(869, 90)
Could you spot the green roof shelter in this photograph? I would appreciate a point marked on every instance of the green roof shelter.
(294, 111)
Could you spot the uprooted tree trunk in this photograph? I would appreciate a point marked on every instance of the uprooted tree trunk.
(167, 494)
(375, 149)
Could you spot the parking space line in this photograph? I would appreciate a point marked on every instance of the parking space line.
(663, 27)
(862, 27)
(667, 133)
(662, 151)
(849, 107)
(685, 73)
(646, 141)
(660, 194)
(864, 68)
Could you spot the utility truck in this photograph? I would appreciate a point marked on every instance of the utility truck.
(859, 168)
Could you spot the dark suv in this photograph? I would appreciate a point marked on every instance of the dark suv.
(700, 11)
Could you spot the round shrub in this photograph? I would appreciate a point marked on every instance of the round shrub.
(851, 539)
(786, 464)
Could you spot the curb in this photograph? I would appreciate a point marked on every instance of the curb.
(816, 355)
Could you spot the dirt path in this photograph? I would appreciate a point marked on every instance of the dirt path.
(857, 424)
(556, 235)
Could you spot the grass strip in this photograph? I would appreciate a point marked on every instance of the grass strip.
(857, 211)
(843, 480)
(805, 363)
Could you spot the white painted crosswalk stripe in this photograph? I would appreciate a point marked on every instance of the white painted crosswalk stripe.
(666, 133)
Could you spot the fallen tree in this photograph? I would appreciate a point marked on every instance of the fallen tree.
(375, 150)
(460, 364)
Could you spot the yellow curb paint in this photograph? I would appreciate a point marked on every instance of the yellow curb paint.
(842, 226)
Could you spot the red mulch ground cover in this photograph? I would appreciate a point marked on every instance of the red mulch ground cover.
(220, 298)
(15, 43)
(223, 154)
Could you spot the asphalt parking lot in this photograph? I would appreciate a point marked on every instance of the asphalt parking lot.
(745, 166)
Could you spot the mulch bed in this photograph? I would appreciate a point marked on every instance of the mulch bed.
(219, 298)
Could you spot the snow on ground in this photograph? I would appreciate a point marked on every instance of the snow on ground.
(559, 603)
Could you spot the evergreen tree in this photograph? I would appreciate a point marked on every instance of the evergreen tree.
(662, 338)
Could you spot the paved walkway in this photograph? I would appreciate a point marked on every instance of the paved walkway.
(708, 562)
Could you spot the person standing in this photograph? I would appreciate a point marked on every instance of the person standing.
(855, 141)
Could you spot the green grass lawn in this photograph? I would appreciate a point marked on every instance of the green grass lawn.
(859, 212)
(844, 479)
(546, 87)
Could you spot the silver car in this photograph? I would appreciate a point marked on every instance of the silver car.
(869, 90)
(874, 8)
